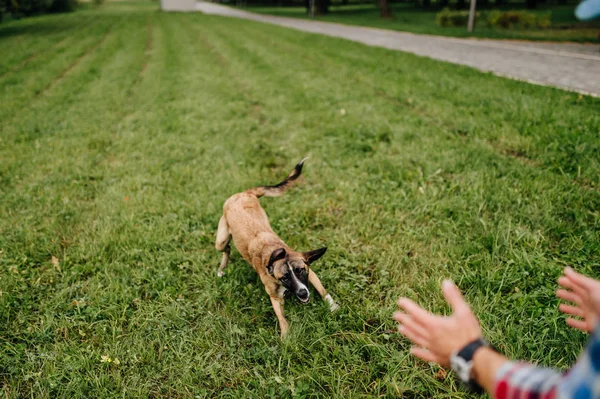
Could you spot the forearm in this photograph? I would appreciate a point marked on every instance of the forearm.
(486, 363)
(504, 379)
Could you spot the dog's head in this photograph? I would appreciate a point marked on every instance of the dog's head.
(291, 270)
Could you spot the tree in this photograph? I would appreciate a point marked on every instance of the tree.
(530, 3)
(385, 10)
(321, 6)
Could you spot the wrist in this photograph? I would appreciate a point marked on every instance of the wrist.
(462, 362)
(479, 357)
(471, 347)
(486, 363)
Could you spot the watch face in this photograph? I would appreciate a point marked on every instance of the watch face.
(461, 367)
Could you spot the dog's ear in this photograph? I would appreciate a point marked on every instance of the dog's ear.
(312, 256)
(278, 254)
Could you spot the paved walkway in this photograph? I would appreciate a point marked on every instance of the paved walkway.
(570, 66)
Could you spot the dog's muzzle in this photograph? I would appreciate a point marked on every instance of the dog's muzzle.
(303, 295)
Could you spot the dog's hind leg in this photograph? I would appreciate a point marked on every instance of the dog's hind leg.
(314, 280)
(222, 244)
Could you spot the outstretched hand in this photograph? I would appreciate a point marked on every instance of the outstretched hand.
(437, 337)
(584, 293)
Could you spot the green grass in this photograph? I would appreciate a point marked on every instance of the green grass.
(123, 131)
(407, 17)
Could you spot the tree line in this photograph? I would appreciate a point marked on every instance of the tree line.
(26, 8)
(321, 7)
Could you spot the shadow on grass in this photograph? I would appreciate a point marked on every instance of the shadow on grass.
(24, 27)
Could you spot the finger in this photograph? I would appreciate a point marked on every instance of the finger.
(423, 354)
(578, 324)
(420, 315)
(569, 284)
(569, 296)
(566, 282)
(585, 282)
(572, 310)
(408, 321)
(454, 297)
(413, 335)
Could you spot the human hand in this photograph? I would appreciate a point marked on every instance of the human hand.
(584, 292)
(437, 337)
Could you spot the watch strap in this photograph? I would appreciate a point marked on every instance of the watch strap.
(467, 353)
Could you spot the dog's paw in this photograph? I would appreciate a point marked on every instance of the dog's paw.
(220, 273)
(332, 305)
(285, 328)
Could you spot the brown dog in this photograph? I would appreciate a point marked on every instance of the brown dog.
(280, 268)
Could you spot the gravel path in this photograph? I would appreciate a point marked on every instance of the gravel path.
(574, 67)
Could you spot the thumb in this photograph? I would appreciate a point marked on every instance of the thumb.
(454, 297)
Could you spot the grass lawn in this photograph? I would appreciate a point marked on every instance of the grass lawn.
(409, 18)
(122, 132)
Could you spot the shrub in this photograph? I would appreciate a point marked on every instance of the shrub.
(446, 18)
(25, 8)
(63, 6)
(516, 19)
(543, 21)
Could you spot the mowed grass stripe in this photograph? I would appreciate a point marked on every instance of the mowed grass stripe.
(85, 109)
(53, 140)
(83, 72)
(62, 105)
(20, 57)
(20, 40)
(21, 89)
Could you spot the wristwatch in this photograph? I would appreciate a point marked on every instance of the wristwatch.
(461, 362)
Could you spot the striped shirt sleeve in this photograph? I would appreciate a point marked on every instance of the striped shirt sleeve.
(519, 380)
(525, 381)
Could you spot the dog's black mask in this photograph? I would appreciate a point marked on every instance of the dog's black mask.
(295, 280)
(292, 271)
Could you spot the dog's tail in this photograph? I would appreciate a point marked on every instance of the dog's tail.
(278, 189)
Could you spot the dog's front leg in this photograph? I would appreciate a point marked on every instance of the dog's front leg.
(314, 280)
(278, 308)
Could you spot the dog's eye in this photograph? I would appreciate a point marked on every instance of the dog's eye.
(300, 271)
